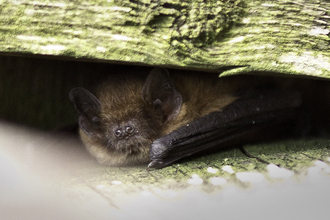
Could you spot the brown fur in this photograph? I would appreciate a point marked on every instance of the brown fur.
(121, 101)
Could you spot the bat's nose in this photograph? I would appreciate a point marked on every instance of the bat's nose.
(124, 131)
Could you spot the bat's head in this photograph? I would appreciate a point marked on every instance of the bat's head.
(126, 114)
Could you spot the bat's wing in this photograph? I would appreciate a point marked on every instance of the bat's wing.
(218, 128)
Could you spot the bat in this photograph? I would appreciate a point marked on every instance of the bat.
(161, 117)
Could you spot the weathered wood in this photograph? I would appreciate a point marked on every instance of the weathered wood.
(291, 37)
(40, 179)
(281, 36)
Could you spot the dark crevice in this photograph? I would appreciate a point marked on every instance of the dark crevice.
(169, 5)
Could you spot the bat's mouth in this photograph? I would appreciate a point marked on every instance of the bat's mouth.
(132, 145)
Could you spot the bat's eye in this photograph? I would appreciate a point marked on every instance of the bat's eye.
(95, 119)
(118, 133)
(129, 129)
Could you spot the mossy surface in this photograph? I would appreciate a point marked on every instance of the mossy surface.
(293, 155)
(281, 36)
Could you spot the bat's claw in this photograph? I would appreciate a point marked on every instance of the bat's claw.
(157, 164)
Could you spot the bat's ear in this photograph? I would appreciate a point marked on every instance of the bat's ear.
(159, 92)
(88, 107)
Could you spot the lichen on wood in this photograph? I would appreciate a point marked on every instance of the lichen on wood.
(290, 37)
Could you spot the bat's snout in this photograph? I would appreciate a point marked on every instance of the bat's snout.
(124, 131)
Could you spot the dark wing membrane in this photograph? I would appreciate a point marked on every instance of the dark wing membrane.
(217, 128)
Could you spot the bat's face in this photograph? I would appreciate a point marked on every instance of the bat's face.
(125, 133)
(119, 124)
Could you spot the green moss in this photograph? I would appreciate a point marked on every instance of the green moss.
(294, 155)
(277, 37)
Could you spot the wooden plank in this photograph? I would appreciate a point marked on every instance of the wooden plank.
(290, 37)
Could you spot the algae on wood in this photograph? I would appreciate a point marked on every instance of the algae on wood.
(290, 37)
